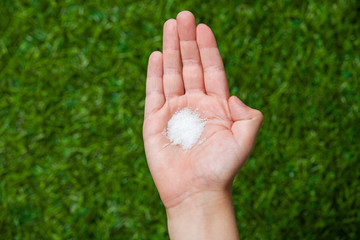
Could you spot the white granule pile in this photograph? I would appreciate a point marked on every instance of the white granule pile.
(185, 128)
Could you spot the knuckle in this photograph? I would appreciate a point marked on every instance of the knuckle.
(213, 68)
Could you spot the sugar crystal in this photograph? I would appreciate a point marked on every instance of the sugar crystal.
(185, 128)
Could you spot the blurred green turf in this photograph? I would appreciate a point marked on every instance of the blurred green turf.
(72, 83)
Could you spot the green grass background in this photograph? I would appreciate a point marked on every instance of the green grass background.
(72, 84)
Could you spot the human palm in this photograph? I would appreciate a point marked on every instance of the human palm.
(190, 73)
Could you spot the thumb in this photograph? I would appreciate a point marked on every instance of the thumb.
(247, 122)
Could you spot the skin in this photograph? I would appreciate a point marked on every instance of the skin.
(195, 185)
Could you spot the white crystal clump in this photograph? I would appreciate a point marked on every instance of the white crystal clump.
(185, 128)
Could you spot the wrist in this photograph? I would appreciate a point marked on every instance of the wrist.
(198, 200)
(203, 215)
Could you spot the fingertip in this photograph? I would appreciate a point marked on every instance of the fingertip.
(258, 115)
(186, 26)
(205, 37)
(170, 35)
(154, 85)
(201, 27)
(155, 65)
(156, 55)
(170, 24)
(185, 15)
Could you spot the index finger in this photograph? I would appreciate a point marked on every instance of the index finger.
(214, 72)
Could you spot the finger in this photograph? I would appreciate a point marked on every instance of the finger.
(173, 84)
(190, 56)
(214, 73)
(247, 122)
(154, 85)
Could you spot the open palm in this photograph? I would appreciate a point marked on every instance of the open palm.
(190, 73)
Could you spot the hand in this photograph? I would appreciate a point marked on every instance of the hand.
(190, 73)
